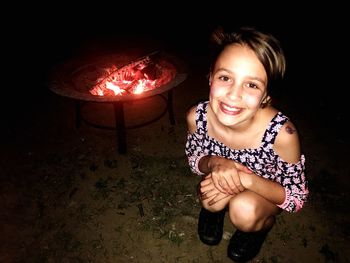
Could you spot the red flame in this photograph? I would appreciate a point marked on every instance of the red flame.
(135, 78)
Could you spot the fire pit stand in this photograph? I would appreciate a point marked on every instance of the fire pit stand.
(79, 81)
(119, 115)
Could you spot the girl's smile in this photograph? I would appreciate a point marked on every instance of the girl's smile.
(238, 85)
(230, 110)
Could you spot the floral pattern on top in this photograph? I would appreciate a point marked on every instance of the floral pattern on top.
(263, 161)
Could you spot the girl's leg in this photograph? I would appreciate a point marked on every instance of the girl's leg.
(250, 212)
(211, 221)
(253, 216)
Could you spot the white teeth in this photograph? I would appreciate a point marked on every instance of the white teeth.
(226, 107)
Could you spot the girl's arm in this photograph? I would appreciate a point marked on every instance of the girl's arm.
(290, 192)
(224, 173)
(272, 191)
(193, 147)
(291, 168)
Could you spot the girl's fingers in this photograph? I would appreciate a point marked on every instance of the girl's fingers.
(238, 184)
(218, 197)
(209, 194)
(218, 184)
(206, 189)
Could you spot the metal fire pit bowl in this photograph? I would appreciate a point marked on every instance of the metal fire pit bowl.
(75, 78)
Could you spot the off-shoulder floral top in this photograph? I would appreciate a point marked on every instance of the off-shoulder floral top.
(263, 161)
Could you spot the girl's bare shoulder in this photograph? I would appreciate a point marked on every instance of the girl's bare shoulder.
(191, 119)
(287, 144)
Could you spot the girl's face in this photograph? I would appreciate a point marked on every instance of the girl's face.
(238, 85)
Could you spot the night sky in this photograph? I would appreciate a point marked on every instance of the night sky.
(38, 37)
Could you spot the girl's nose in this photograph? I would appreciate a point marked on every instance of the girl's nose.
(235, 92)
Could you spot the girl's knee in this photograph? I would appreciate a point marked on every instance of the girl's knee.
(243, 213)
(242, 217)
(250, 212)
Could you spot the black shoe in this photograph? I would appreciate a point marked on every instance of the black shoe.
(245, 246)
(210, 226)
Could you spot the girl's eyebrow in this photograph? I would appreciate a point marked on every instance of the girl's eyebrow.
(250, 77)
(223, 69)
(257, 79)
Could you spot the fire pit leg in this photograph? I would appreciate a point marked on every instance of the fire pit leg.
(77, 114)
(170, 107)
(120, 126)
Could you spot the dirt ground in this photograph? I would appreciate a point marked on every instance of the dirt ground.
(67, 195)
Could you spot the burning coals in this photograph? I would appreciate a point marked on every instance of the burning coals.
(144, 74)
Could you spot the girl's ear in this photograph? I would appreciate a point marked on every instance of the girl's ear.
(266, 101)
(209, 76)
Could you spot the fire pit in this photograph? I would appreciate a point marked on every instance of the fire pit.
(119, 78)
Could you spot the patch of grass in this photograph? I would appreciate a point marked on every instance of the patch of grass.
(174, 236)
(118, 229)
(118, 248)
(275, 259)
(84, 213)
(285, 235)
(97, 246)
(102, 190)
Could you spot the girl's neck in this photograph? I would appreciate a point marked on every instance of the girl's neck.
(244, 135)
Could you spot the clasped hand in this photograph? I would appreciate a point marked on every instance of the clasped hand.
(226, 178)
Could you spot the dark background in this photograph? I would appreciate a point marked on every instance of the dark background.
(37, 37)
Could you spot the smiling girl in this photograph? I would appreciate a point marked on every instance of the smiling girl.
(247, 151)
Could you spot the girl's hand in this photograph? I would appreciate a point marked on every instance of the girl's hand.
(224, 174)
(207, 190)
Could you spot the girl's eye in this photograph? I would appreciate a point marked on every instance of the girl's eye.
(252, 85)
(224, 78)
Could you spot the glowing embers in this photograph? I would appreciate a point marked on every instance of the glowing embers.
(144, 74)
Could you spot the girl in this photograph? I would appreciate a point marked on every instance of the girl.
(247, 151)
